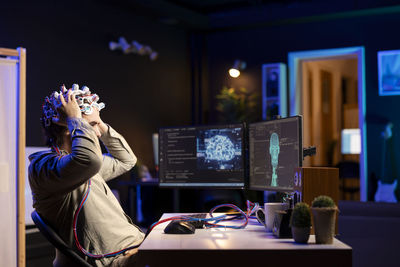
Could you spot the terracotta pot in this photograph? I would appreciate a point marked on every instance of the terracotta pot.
(301, 234)
(324, 224)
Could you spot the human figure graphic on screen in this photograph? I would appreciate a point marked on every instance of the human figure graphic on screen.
(61, 178)
(274, 152)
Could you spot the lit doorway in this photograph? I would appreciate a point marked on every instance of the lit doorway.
(327, 88)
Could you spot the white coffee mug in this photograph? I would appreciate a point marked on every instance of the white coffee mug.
(269, 213)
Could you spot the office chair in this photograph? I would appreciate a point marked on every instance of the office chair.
(348, 170)
(56, 240)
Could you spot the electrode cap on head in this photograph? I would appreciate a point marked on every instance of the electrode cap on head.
(85, 99)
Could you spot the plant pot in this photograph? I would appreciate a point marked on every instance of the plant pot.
(301, 234)
(281, 227)
(324, 224)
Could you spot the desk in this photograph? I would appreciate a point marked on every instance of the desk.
(251, 246)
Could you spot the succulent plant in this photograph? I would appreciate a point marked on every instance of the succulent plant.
(323, 202)
(301, 216)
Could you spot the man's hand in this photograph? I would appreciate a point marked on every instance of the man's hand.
(66, 107)
(95, 121)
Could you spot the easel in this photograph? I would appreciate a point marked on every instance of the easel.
(17, 56)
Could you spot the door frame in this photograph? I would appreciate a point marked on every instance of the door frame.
(295, 94)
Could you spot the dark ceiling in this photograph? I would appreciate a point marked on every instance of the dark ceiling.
(225, 14)
(214, 6)
(193, 14)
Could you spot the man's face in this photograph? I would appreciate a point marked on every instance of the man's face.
(94, 120)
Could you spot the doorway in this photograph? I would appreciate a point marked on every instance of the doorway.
(327, 88)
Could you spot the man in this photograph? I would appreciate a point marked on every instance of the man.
(62, 177)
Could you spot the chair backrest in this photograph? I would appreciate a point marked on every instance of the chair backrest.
(53, 237)
(349, 169)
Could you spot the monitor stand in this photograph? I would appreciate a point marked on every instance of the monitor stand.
(290, 198)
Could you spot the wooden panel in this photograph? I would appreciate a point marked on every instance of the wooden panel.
(9, 52)
(350, 116)
(310, 129)
(315, 181)
(21, 156)
(326, 123)
(320, 181)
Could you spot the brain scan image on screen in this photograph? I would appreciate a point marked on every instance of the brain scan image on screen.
(274, 150)
(219, 149)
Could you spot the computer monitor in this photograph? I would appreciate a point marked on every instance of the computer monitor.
(202, 156)
(275, 149)
(351, 141)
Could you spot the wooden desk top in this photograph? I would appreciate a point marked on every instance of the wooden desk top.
(251, 246)
(253, 237)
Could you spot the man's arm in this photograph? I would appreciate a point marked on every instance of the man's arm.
(119, 158)
(63, 173)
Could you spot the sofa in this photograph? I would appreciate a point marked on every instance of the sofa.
(372, 229)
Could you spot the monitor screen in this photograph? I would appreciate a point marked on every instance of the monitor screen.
(351, 141)
(202, 156)
(275, 149)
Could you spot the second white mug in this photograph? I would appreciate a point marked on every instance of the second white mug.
(269, 213)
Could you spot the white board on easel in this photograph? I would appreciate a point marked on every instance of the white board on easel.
(12, 154)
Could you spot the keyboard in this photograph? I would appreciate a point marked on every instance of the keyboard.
(198, 224)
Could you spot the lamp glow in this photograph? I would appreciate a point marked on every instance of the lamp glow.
(238, 65)
(234, 73)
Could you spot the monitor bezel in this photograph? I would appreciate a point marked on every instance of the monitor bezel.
(300, 134)
(241, 185)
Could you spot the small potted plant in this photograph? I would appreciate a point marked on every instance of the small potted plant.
(300, 222)
(324, 213)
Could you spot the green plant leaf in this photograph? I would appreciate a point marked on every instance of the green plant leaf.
(323, 202)
(237, 105)
(301, 216)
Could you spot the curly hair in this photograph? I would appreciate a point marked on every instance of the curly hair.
(54, 132)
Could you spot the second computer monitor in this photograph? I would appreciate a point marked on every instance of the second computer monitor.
(202, 156)
(275, 149)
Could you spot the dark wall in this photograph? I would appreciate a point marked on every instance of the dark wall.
(68, 43)
(272, 43)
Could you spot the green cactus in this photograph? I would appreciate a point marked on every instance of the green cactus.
(323, 202)
(301, 216)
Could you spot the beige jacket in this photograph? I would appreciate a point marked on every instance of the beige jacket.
(58, 183)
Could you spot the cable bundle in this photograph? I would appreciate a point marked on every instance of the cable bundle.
(214, 222)
(251, 208)
(84, 251)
